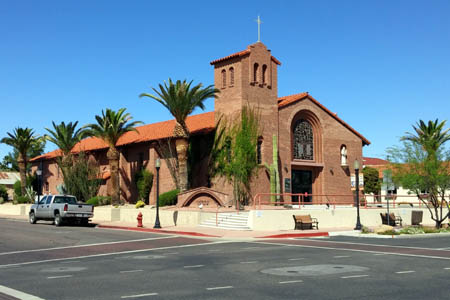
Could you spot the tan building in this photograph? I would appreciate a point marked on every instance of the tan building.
(316, 148)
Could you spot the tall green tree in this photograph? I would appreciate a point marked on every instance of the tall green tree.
(372, 182)
(111, 125)
(235, 153)
(430, 137)
(65, 136)
(422, 165)
(22, 140)
(10, 160)
(181, 98)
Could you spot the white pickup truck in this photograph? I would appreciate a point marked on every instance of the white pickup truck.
(60, 208)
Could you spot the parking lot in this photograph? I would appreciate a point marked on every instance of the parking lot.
(90, 263)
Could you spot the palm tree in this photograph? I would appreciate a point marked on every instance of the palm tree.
(22, 139)
(431, 137)
(181, 99)
(111, 125)
(65, 137)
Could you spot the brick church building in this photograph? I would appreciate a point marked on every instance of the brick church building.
(316, 148)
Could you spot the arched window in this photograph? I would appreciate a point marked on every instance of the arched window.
(344, 155)
(264, 76)
(255, 72)
(303, 140)
(224, 79)
(259, 150)
(231, 76)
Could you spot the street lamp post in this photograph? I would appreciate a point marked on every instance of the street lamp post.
(358, 222)
(39, 178)
(157, 165)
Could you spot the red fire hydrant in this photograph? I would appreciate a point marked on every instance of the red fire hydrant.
(139, 219)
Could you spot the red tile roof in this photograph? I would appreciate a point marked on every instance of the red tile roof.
(200, 123)
(373, 161)
(287, 100)
(151, 132)
(238, 54)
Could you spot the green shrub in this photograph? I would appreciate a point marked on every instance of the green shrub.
(99, 200)
(366, 230)
(17, 188)
(3, 193)
(412, 230)
(21, 200)
(140, 204)
(144, 183)
(2, 200)
(169, 198)
(389, 232)
(430, 230)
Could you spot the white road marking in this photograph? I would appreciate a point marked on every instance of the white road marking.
(250, 248)
(88, 245)
(342, 256)
(131, 271)
(375, 245)
(446, 268)
(358, 250)
(448, 248)
(248, 262)
(17, 294)
(194, 266)
(108, 254)
(57, 277)
(291, 281)
(354, 276)
(214, 250)
(139, 296)
(377, 254)
(405, 272)
(219, 288)
(296, 258)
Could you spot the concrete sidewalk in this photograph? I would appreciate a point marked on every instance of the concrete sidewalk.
(213, 232)
(223, 233)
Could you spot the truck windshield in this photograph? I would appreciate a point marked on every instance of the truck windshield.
(65, 199)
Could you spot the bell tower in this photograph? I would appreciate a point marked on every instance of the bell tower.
(249, 78)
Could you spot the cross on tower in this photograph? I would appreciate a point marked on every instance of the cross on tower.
(259, 28)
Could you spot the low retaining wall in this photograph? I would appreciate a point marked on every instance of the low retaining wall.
(261, 220)
(166, 217)
(329, 218)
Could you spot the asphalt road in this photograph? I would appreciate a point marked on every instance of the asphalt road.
(90, 263)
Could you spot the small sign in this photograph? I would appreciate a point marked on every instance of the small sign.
(287, 185)
(353, 181)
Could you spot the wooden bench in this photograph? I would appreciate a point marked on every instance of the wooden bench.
(305, 222)
(393, 219)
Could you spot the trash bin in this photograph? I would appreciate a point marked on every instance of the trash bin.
(416, 217)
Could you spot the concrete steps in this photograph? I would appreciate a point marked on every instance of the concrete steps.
(229, 221)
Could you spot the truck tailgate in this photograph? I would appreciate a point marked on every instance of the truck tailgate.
(79, 208)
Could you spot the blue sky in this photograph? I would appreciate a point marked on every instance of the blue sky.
(381, 65)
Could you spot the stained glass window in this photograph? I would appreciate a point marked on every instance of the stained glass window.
(303, 140)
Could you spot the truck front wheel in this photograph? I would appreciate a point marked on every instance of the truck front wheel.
(32, 218)
(58, 220)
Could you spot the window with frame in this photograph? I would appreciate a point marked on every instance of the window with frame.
(231, 76)
(303, 140)
(224, 79)
(258, 151)
(264, 75)
(255, 72)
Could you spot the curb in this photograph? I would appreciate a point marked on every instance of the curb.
(294, 235)
(157, 231)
